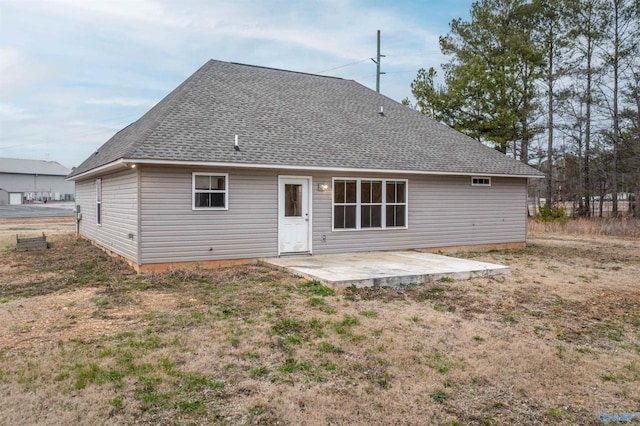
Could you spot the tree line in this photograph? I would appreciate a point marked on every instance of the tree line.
(553, 83)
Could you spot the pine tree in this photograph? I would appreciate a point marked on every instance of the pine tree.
(489, 91)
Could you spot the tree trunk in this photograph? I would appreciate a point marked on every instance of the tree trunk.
(587, 131)
(550, 121)
(524, 143)
(616, 117)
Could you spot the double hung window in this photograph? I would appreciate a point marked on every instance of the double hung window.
(210, 191)
(370, 204)
(345, 203)
(396, 204)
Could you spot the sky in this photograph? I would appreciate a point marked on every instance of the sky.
(74, 72)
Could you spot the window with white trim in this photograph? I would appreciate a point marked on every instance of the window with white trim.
(369, 203)
(99, 201)
(344, 203)
(210, 191)
(480, 181)
(396, 204)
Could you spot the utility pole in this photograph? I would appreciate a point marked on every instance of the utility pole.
(377, 62)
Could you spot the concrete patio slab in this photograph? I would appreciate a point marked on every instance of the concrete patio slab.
(385, 269)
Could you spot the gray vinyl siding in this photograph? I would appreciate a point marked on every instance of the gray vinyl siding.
(443, 211)
(119, 212)
(173, 232)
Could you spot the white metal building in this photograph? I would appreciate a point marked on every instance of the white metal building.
(33, 180)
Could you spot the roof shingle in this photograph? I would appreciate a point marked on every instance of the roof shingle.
(286, 118)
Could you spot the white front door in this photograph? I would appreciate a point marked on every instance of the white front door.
(294, 215)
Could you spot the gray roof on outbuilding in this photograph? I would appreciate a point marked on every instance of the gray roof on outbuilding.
(32, 167)
(286, 118)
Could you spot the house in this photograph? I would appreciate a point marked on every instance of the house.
(244, 162)
(33, 180)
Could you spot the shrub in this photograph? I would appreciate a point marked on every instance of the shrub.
(551, 214)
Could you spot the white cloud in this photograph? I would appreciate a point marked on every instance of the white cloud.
(18, 71)
(342, 29)
(124, 102)
(10, 61)
(148, 11)
(12, 112)
(72, 72)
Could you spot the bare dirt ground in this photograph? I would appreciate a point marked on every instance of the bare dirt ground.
(33, 228)
(84, 340)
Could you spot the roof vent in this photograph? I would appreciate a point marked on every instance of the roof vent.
(235, 146)
(381, 110)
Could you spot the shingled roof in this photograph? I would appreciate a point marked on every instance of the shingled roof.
(292, 119)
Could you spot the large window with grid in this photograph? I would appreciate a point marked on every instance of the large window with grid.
(210, 191)
(369, 203)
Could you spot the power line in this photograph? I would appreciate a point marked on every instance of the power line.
(86, 129)
(365, 76)
(402, 72)
(73, 132)
(342, 66)
(366, 59)
(413, 55)
(10, 146)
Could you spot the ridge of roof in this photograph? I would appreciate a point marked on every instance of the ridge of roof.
(283, 70)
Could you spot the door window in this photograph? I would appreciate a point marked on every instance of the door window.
(292, 200)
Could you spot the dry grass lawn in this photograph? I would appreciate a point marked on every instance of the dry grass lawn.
(84, 340)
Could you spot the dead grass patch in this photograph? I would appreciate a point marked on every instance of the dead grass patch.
(83, 340)
(621, 227)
